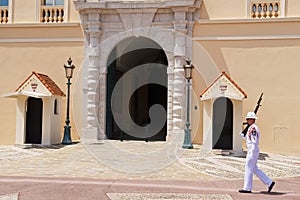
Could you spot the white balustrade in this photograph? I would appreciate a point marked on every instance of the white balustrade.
(266, 9)
(3, 14)
(52, 14)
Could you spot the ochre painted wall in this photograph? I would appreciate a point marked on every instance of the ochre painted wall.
(258, 65)
(24, 11)
(292, 8)
(223, 9)
(29, 11)
(19, 59)
(240, 9)
(27, 45)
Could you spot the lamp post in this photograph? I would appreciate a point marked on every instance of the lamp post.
(67, 129)
(187, 144)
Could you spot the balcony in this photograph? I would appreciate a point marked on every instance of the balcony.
(3, 14)
(265, 9)
(52, 14)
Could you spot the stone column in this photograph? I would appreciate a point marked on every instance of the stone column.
(91, 94)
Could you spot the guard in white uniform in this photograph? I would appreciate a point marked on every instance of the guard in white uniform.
(252, 141)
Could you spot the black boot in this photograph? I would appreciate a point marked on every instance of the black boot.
(271, 187)
(244, 191)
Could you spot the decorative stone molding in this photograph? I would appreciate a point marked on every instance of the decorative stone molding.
(168, 23)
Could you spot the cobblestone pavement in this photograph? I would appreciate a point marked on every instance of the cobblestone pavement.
(9, 197)
(232, 167)
(135, 170)
(99, 161)
(166, 196)
(134, 160)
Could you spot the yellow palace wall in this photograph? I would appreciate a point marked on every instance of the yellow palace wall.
(27, 45)
(260, 55)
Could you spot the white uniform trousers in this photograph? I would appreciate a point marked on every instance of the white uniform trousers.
(251, 167)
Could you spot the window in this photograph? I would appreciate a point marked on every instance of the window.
(55, 107)
(53, 2)
(3, 2)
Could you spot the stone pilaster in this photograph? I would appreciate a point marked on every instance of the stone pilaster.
(180, 26)
(102, 102)
(170, 72)
(93, 32)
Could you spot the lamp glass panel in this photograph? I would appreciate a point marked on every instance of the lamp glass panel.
(188, 72)
(69, 72)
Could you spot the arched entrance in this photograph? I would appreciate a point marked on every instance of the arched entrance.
(222, 124)
(130, 53)
(34, 120)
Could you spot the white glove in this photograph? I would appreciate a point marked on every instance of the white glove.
(242, 134)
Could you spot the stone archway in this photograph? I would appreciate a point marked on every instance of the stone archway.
(175, 93)
(106, 24)
(125, 56)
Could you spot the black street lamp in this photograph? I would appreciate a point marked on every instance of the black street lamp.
(67, 129)
(188, 68)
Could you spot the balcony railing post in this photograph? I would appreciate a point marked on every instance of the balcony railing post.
(3, 14)
(52, 14)
(265, 9)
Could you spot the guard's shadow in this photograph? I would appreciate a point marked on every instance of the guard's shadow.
(41, 146)
(272, 193)
(262, 156)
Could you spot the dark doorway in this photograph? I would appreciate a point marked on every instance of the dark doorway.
(136, 52)
(34, 115)
(222, 124)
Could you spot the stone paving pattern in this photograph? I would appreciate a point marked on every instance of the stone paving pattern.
(10, 197)
(232, 167)
(123, 160)
(153, 196)
(135, 161)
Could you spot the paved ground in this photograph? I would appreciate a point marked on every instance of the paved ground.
(137, 170)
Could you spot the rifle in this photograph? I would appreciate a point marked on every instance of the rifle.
(255, 111)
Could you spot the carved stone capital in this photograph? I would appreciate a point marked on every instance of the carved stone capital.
(180, 26)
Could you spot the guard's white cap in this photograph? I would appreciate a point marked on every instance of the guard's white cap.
(251, 115)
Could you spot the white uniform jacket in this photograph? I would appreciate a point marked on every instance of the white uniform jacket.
(252, 140)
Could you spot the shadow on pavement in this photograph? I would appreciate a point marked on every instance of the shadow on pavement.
(272, 193)
(40, 146)
(262, 156)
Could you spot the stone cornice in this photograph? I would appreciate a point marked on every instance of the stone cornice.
(40, 40)
(79, 5)
(39, 25)
(134, 11)
(241, 21)
(180, 9)
(169, 24)
(246, 37)
(180, 25)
